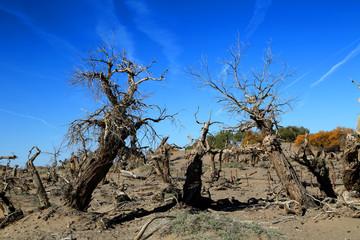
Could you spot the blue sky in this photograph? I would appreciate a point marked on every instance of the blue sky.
(41, 40)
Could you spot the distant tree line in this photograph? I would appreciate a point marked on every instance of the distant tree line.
(225, 139)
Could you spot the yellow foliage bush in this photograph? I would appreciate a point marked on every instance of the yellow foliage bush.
(252, 138)
(332, 140)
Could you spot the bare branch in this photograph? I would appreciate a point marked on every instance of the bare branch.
(117, 126)
(8, 157)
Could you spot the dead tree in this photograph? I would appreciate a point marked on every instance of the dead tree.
(214, 172)
(192, 186)
(255, 99)
(8, 157)
(114, 81)
(316, 166)
(10, 212)
(254, 151)
(351, 159)
(161, 160)
(74, 165)
(5, 168)
(351, 164)
(14, 170)
(40, 190)
(62, 166)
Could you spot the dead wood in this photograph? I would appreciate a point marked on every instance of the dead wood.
(351, 164)
(74, 165)
(12, 217)
(131, 174)
(161, 160)
(293, 207)
(193, 185)
(143, 229)
(317, 166)
(19, 182)
(255, 99)
(8, 157)
(14, 170)
(285, 171)
(11, 214)
(214, 173)
(40, 193)
(62, 166)
(114, 81)
(5, 205)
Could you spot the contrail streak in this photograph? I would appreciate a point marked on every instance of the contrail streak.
(352, 54)
(27, 116)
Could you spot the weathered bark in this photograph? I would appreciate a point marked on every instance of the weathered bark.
(192, 186)
(100, 162)
(8, 157)
(286, 173)
(351, 164)
(256, 98)
(5, 205)
(111, 75)
(19, 182)
(40, 192)
(166, 169)
(62, 166)
(316, 166)
(73, 165)
(162, 155)
(14, 171)
(214, 173)
(9, 211)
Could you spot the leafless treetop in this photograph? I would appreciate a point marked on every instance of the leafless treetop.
(113, 80)
(253, 96)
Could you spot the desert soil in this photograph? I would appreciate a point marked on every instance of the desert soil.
(60, 222)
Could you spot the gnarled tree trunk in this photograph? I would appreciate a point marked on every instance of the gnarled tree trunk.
(9, 211)
(114, 81)
(351, 163)
(192, 186)
(40, 192)
(214, 173)
(99, 164)
(162, 155)
(316, 166)
(286, 173)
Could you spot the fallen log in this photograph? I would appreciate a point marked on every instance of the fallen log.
(132, 175)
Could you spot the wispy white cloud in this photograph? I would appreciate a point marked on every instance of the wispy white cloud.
(165, 38)
(28, 117)
(29, 73)
(108, 25)
(296, 80)
(343, 49)
(258, 17)
(60, 45)
(352, 54)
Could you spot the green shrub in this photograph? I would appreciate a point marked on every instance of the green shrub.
(208, 226)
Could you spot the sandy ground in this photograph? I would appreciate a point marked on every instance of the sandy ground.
(60, 222)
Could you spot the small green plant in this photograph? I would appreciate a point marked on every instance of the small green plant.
(213, 226)
(232, 165)
(205, 168)
(144, 168)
